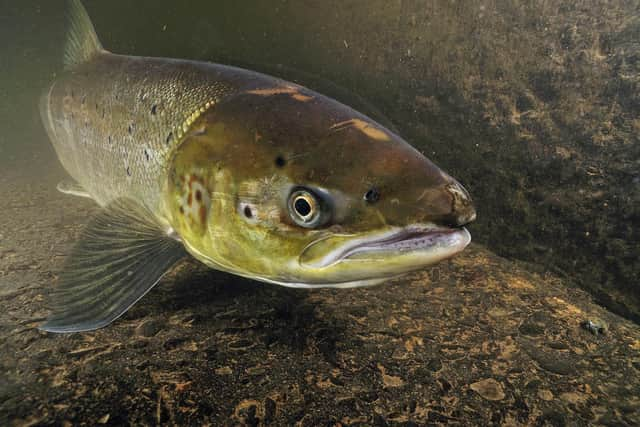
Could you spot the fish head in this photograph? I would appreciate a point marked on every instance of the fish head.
(287, 186)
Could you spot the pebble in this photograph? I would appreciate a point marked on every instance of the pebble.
(148, 328)
(489, 389)
(595, 326)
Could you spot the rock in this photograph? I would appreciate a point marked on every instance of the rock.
(545, 394)
(148, 328)
(104, 419)
(489, 389)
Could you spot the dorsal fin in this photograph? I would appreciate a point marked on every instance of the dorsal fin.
(82, 40)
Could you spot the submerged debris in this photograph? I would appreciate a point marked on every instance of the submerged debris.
(595, 326)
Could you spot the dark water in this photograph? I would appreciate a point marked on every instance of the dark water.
(533, 106)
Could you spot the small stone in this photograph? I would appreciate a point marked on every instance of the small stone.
(545, 395)
(434, 365)
(173, 343)
(574, 398)
(270, 409)
(148, 328)
(489, 389)
(595, 326)
(531, 329)
(225, 370)
(390, 380)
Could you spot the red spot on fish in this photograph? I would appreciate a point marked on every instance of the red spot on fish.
(198, 195)
(203, 214)
(189, 199)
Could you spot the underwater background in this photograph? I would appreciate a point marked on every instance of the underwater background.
(533, 105)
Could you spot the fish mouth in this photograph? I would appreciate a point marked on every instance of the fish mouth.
(392, 252)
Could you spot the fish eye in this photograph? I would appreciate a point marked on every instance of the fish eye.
(306, 208)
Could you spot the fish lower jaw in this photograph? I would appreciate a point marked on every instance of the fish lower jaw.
(398, 251)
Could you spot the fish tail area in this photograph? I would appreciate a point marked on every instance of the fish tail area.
(82, 40)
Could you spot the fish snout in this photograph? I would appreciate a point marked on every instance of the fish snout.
(462, 209)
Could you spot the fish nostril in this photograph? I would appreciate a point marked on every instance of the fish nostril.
(458, 192)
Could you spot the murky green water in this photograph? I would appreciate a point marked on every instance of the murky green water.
(533, 106)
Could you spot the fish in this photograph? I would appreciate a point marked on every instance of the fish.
(247, 173)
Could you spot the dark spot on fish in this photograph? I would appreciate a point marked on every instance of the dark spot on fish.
(128, 171)
(97, 107)
(109, 139)
(280, 161)
(84, 98)
(198, 195)
(146, 154)
(181, 210)
(168, 140)
(72, 93)
(130, 129)
(154, 109)
(247, 212)
(372, 195)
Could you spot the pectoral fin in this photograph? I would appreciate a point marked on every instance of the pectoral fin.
(121, 255)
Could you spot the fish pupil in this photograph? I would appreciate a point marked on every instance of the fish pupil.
(280, 161)
(247, 212)
(303, 208)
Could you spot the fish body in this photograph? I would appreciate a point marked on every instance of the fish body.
(115, 120)
(248, 173)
